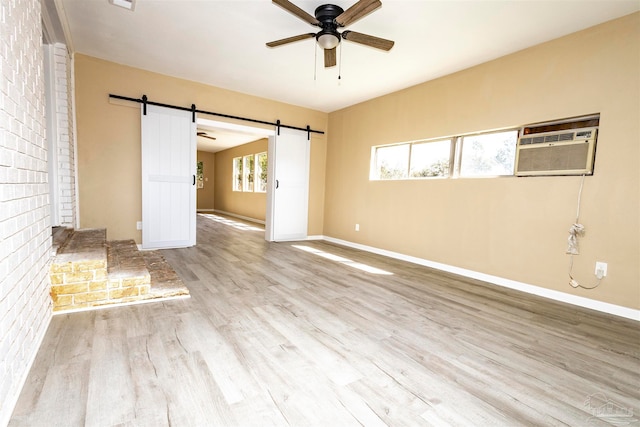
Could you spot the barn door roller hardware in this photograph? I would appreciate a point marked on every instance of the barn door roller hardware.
(145, 101)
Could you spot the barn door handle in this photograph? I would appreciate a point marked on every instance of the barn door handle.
(194, 180)
(277, 184)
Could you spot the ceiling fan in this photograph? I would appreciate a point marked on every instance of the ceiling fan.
(329, 18)
(206, 135)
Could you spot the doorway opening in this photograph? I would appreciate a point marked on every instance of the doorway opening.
(260, 175)
(218, 144)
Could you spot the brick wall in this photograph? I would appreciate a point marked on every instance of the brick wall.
(25, 233)
(64, 137)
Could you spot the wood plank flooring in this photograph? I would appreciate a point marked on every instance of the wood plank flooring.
(276, 335)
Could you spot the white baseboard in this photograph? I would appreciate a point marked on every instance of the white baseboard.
(205, 210)
(604, 307)
(245, 218)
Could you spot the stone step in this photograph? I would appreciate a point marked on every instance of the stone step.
(60, 236)
(88, 272)
(165, 282)
(85, 244)
(127, 272)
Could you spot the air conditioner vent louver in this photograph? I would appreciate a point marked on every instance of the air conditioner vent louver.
(555, 137)
(566, 136)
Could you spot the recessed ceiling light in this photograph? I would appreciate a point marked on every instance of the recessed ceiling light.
(127, 4)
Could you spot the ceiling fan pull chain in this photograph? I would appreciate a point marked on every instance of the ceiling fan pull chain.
(340, 65)
(315, 62)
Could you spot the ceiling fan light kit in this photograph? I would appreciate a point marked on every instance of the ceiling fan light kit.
(327, 40)
(329, 18)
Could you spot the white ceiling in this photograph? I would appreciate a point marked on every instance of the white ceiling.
(222, 42)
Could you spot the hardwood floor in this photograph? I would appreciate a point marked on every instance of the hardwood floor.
(278, 335)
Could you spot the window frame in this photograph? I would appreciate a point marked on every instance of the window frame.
(460, 152)
(432, 141)
(374, 174)
(455, 157)
(242, 175)
(248, 168)
(236, 184)
(257, 180)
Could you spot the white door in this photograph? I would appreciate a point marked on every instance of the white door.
(168, 178)
(287, 186)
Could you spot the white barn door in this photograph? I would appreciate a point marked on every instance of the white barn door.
(287, 186)
(168, 178)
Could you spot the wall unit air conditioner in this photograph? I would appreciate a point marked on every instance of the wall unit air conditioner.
(563, 152)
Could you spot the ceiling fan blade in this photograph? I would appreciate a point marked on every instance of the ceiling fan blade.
(368, 40)
(357, 11)
(295, 10)
(205, 135)
(290, 39)
(330, 57)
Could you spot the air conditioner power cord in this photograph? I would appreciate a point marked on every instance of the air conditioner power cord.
(575, 231)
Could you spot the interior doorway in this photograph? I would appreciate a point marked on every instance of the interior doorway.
(222, 147)
(236, 146)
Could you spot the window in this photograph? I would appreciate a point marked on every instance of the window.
(200, 174)
(261, 172)
(250, 173)
(484, 154)
(489, 154)
(237, 174)
(423, 159)
(392, 162)
(247, 175)
(430, 159)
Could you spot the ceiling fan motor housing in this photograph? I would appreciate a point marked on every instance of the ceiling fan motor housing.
(326, 14)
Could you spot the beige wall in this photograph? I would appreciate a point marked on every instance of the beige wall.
(205, 194)
(109, 171)
(247, 204)
(515, 228)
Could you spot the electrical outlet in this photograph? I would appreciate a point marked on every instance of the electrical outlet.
(601, 269)
(139, 225)
(357, 227)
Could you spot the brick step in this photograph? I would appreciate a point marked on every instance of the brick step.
(78, 272)
(89, 243)
(127, 272)
(90, 272)
(165, 282)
